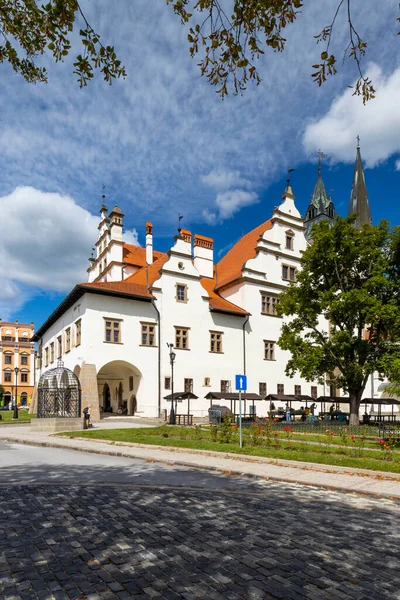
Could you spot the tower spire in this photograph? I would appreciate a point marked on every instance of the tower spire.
(359, 203)
(321, 206)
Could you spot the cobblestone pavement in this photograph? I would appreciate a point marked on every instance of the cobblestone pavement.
(128, 541)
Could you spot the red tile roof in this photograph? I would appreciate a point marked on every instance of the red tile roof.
(120, 287)
(229, 268)
(136, 255)
(217, 302)
(153, 272)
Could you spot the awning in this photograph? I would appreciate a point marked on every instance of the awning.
(334, 399)
(232, 396)
(181, 396)
(382, 401)
(282, 397)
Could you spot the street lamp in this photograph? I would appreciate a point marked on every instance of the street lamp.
(172, 357)
(16, 371)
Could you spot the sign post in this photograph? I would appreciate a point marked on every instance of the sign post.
(241, 386)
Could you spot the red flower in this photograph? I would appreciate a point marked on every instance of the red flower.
(352, 437)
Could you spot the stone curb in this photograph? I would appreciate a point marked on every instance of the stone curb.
(205, 467)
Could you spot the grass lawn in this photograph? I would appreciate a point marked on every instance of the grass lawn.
(23, 417)
(180, 437)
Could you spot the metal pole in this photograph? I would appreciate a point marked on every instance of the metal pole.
(240, 420)
(172, 415)
(16, 394)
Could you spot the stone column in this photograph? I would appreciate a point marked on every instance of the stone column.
(90, 397)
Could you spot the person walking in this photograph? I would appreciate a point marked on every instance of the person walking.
(86, 415)
(288, 413)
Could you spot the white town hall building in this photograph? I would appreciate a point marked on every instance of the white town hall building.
(114, 330)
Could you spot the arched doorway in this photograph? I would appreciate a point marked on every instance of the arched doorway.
(118, 382)
(23, 399)
(7, 398)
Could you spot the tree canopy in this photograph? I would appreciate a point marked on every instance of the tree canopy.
(228, 42)
(344, 308)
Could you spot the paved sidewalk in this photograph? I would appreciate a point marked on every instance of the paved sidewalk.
(360, 481)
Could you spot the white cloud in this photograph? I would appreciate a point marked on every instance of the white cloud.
(225, 179)
(398, 165)
(229, 203)
(131, 237)
(377, 123)
(45, 244)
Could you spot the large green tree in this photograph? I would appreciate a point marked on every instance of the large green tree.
(344, 308)
(227, 40)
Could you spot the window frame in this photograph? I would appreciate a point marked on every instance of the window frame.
(260, 392)
(145, 334)
(7, 374)
(185, 292)
(269, 308)
(290, 269)
(52, 353)
(278, 391)
(8, 358)
(78, 332)
(59, 346)
(229, 386)
(181, 337)
(297, 390)
(24, 357)
(269, 353)
(167, 383)
(216, 341)
(68, 339)
(314, 392)
(190, 385)
(114, 328)
(46, 356)
(24, 375)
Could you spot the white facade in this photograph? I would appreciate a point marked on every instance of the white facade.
(138, 301)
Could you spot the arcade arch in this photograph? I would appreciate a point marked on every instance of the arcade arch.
(118, 383)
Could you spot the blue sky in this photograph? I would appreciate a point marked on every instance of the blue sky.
(164, 143)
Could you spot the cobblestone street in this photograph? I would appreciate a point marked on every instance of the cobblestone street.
(137, 541)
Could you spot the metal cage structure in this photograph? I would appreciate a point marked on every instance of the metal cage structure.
(59, 393)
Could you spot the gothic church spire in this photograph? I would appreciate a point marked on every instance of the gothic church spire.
(359, 204)
(321, 206)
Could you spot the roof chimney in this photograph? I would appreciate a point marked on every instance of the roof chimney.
(149, 243)
(203, 254)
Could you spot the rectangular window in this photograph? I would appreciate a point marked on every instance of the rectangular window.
(7, 377)
(182, 338)
(269, 304)
(297, 390)
(288, 273)
(8, 359)
(59, 346)
(8, 338)
(167, 383)
(78, 332)
(46, 357)
(24, 377)
(269, 350)
(289, 242)
(225, 386)
(215, 341)
(52, 352)
(148, 334)
(24, 360)
(188, 385)
(207, 382)
(181, 292)
(262, 389)
(68, 339)
(280, 389)
(112, 331)
(131, 383)
(314, 392)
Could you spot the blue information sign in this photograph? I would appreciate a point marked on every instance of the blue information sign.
(241, 383)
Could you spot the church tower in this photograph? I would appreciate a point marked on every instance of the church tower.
(321, 206)
(359, 204)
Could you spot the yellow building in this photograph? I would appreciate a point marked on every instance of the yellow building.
(17, 356)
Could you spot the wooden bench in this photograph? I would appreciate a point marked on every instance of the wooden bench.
(184, 419)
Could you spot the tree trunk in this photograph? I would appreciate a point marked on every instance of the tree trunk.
(355, 399)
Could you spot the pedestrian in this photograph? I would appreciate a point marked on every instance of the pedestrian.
(332, 411)
(312, 408)
(86, 415)
(288, 413)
